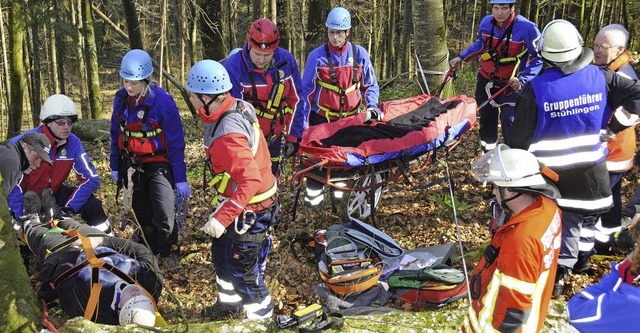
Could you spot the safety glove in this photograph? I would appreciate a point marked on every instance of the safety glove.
(373, 114)
(213, 227)
(183, 190)
(114, 176)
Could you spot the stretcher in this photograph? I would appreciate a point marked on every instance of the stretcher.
(361, 159)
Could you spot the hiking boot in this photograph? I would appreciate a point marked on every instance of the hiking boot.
(49, 204)
(171, 262)
(558, 285)
(31, 203)
(221, 310)
(582, 265)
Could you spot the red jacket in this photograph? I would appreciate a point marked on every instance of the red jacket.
(515, 290)
(230, 150)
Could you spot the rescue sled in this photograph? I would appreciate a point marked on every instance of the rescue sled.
(366, 157)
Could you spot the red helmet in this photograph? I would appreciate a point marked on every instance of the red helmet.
(263, 35)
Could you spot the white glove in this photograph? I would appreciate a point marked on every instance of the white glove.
(373, 114)
(213, 227)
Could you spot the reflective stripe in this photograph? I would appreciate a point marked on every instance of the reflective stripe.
(226, 292)
(314, 201)
(253, 309)
(520, 286)
(572, 159)
(487, 146)
(603, 234)
(620, 165)
(531, 325)
(485, 317)
(598, 314)
(338, 89)
(586, 204)
(314, 192)
(587, 233)
(585, 246)
(224, 284)
(104, 226)
(228, 297)
(134, 134)
(564, 144)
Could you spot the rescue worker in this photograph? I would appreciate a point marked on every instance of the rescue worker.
(506, 47)
(512, 284)
(612, 304)
(245, 194)
(22, 158)
(267, 76)
(338, 78)
(147, 137)
(64, 250)
(610, 51)
(58, 113)
(560, 116)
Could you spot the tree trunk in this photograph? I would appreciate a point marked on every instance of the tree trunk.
(34, 71)
(78, 22)
(316, 31)
(57, 50)
(16, 36)
(430, 39)
(283, 21)
(91, 58)
(211, 36)
(405, 36)
(133, 25)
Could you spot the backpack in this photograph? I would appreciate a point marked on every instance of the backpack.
(433, 286)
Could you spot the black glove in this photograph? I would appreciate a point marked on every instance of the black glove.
(66, 212)
(290, 149)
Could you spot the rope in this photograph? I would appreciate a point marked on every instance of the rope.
(455, 219)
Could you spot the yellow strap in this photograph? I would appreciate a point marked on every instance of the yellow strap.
(338, 89)
(277, 98)
(329, 112)
(264, 195)
(271, 116)
(133, 134)
(517, 57)
(92, 304)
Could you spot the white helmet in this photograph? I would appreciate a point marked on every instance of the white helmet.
(136, 307)
(561, 41)
(58, 106)
(514, 168)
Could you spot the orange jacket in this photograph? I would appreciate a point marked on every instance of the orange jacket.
(622, 147)
(230, 152)
(513, 292)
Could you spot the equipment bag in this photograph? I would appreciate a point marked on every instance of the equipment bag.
(433, 286)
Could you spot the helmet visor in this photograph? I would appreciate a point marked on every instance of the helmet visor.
(481, 168)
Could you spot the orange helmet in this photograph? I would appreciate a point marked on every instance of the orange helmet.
(263, 35)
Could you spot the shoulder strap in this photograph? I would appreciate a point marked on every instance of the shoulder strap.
(355, 78)
(332, 71)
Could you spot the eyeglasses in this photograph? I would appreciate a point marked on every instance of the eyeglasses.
(63, 122)
(604, 47)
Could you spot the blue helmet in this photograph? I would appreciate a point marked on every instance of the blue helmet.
(234, 51)
(339, 19)
(136, 65)
(501, 2)
(208, 77)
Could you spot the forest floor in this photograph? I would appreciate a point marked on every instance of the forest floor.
(413, 215)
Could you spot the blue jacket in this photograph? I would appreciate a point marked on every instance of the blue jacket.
(610, 305)
(317, 69)
(166, 146)
(284, 69)
(524, 35)
(66, 156)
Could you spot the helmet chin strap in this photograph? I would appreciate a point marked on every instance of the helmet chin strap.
(503, 201)
(207, 104)
(53, 133)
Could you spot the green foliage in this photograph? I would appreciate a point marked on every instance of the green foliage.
(398, 88)
(465, 83)
(445, 200)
